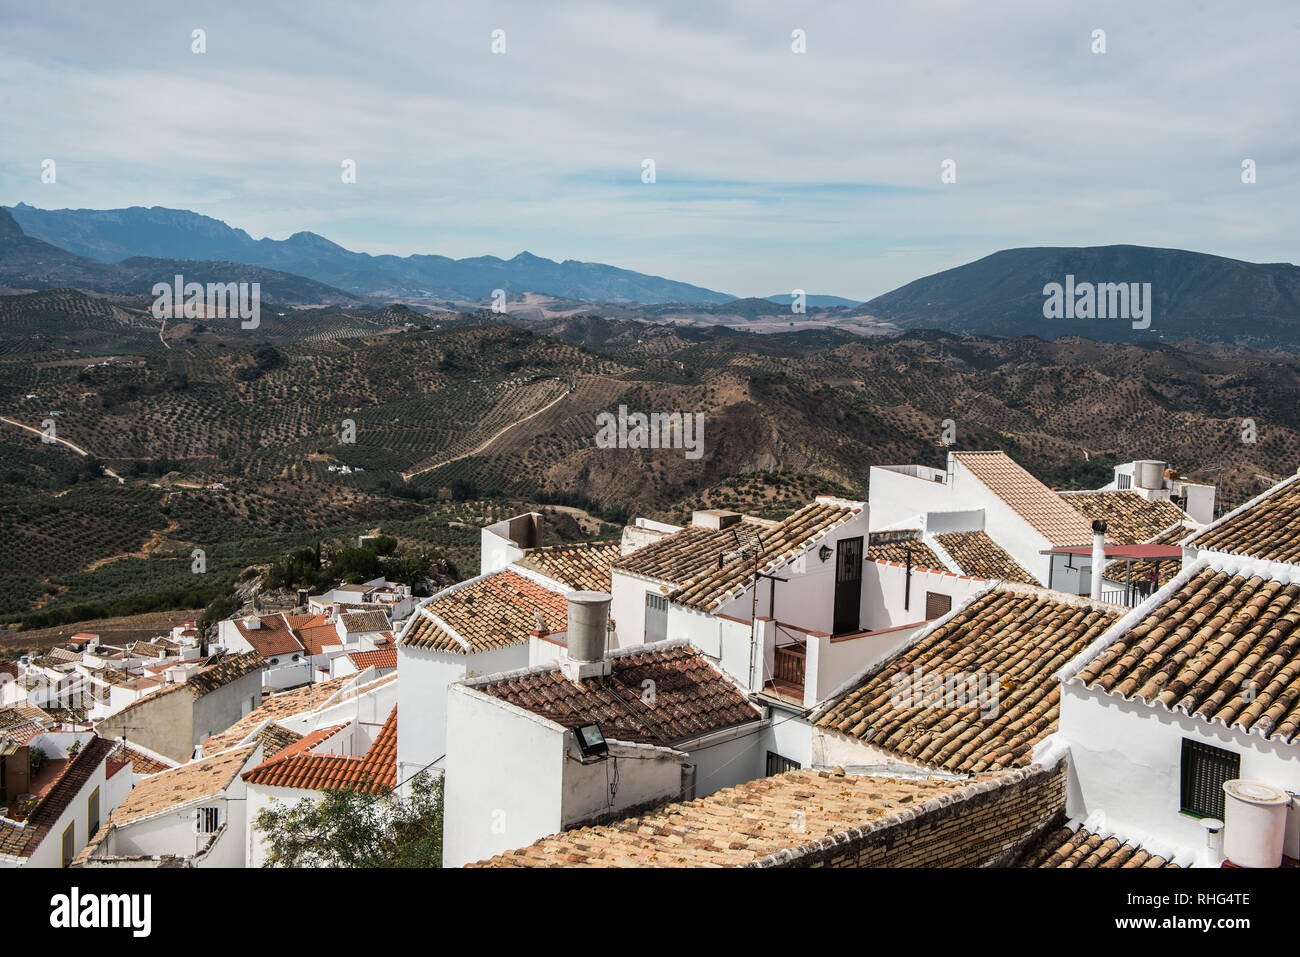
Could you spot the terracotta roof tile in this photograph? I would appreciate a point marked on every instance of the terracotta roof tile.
(583, 566)
(362, 621)
(1039, 506)
(491, 611)
(1129, 517)
(977, 555)
(1225, 647)
(284, 705)
(383, 658)
(690, 698)
(706, 563)
(21, 841)
(205, 778)
(222, 671)
(376, 771)
(897, 545)
(141, 763)
(272, 637)
(1267, 528)
(1082, 848)
(1016, 638)
(314, 638)
(734, 826)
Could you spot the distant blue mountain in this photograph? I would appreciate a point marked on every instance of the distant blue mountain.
(111, 235)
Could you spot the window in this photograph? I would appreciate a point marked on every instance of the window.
(69, 844)
(1205, 768)
(208, 819)
(1123, 481)
(936, 605)
(776, 764)
(92, 813)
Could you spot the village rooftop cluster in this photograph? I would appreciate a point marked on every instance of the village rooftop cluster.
(733, 692)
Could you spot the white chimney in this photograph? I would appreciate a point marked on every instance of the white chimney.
(252, 623)
(1213, 854)
(1098, 557)
(587, 633)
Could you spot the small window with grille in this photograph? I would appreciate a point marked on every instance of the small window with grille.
(937, 605)
(209, 819)
(1205, 768)
(776, 764)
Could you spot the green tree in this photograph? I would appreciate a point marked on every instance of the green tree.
(349, 828)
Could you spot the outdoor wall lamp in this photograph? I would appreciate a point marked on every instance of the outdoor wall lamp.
(824, 552)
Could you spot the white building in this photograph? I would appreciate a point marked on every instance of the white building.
(52, 832)
(195, 815)
(540, 750)
(1196, 687)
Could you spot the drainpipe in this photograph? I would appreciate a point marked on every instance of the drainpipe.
(1098, 556)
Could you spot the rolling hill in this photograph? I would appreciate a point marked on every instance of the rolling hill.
(1195, 296)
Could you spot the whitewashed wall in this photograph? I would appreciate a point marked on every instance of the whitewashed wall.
(504, 778)
(1126, 759)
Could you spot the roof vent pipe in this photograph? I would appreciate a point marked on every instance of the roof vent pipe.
(588, 625)
(1098, 557)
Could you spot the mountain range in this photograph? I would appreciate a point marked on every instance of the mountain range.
(1192, 295)
(110, 235)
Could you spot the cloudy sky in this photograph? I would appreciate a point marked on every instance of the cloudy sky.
(775, 170)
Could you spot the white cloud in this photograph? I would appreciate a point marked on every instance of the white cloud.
(464, 153)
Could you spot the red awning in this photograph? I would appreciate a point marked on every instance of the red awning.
(1135, 553)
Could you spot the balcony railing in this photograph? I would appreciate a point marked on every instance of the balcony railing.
(788, 669)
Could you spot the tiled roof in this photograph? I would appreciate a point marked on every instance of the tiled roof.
(1164, 571)
(896, 545)
(1082, 848)
(491, 611)
(1225, 647)
(1129, 517)
(207, 777)
(690, 698)
(1016, 638)
(383, 658)
(376, 771)
(365, 621)
(18, 714)
(22, 841)
(1039, 506)
(141, 763)
(272, 637)
(9, 668)
(284, 705)
(1267, 528)
(276, 737)
(734, 826)
(223, 671)
(690, 558)
(583, 566)
(315, 637)
(980, 557)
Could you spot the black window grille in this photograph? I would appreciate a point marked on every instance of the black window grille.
(776, 764)
(1205, 768)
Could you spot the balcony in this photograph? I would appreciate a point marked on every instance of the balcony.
(788, 669)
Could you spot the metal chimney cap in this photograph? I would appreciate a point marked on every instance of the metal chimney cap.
(1099, 526)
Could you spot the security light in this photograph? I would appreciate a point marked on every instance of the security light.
(590, 741)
